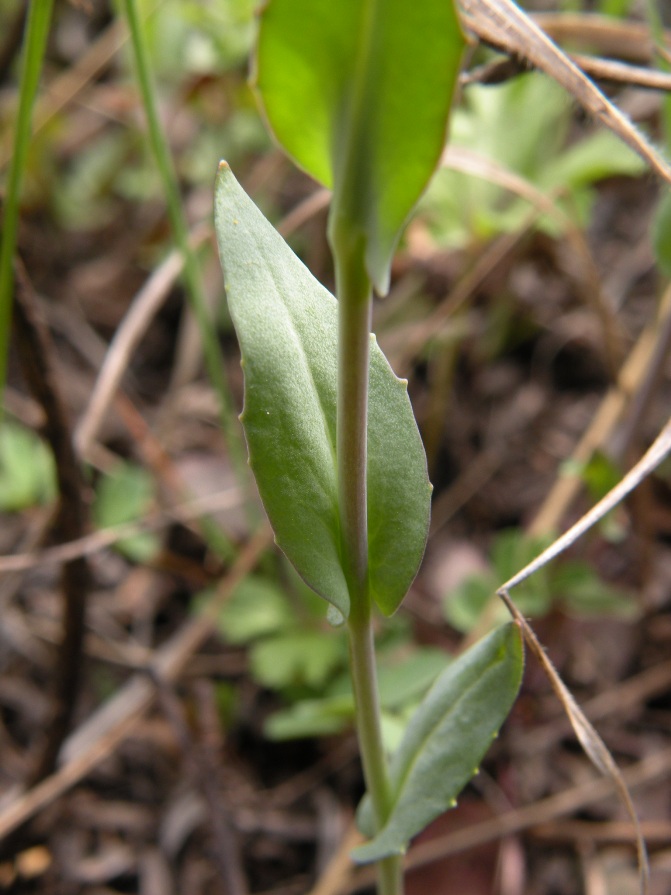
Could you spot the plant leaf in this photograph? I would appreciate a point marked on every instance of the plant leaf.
(287, 327)
(358, 93)
(446, 739)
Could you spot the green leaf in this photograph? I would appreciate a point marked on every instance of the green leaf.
(296, 658)
(256, 608)
(585, 594)
(311, 718)
(409, 680)
(495, 123)
(358, 93)
(464, 605)
(124, 496)
(287, 328)
(446, 740)
(27, 472)
(596, 157)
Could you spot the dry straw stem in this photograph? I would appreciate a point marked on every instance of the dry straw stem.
(98, 737)
(608, 70)
(606, 35)
(617, 700)
(144, 307)
(590, 740)
(658, 451)
(502, 24)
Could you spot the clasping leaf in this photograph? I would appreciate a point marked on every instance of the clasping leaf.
(286, 324)
(358, 92)
(446, 739)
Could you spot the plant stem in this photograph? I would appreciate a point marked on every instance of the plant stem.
(354, 293)
(36, 32)
(193, 280)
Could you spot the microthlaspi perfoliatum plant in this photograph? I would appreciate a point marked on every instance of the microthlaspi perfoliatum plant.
(359, 94)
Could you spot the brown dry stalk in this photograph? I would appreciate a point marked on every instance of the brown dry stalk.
(35, 353)
(624, 39)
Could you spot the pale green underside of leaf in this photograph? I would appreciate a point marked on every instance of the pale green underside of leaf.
(286, 324)
(358, 92)
(446, 739)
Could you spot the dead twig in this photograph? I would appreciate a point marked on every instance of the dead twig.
(35, 352)
(144, 308)
(99, 540)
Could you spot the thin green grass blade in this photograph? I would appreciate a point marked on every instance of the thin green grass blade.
(213, 355)
(35, 40)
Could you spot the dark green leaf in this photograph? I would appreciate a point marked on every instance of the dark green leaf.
(287, 327)
(446, 739)
(359, 93)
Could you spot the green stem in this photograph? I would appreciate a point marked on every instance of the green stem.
(37, 30)
(353, 289)
(213, 356)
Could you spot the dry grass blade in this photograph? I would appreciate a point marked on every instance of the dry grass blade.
(144, 308)
(623, 73)
(608, 70)
(658, 451)
(621, 39)
(594, 746)
(590, 740)
(501, 24)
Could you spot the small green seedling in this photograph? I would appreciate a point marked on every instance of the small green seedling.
(359, 94)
